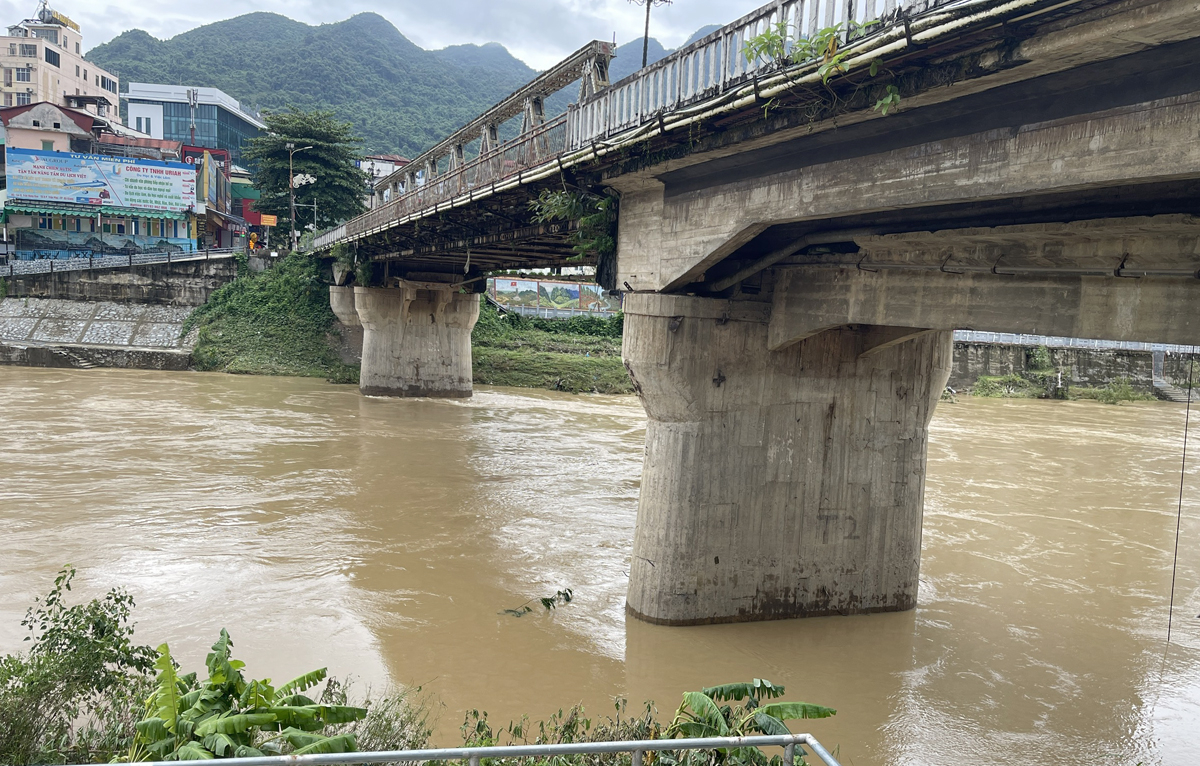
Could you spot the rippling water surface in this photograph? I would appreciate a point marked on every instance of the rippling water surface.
(383, 538)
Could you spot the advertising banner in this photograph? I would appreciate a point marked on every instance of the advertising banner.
(93, 179)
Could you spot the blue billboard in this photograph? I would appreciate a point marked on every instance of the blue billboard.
(95, 179)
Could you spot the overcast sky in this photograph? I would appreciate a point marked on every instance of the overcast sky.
(539, 32)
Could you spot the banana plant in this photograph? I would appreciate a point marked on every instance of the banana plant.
(228, 716)
(700, 714)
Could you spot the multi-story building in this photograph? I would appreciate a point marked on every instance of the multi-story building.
(171, 111)
(42, 60)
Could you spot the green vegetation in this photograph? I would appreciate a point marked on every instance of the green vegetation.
(596, 234)
(324, 148)
(84, 693)
(227, 716)
(582, 354)
(1115, 392)
(277, 322)
(73, 696)
(3, 289)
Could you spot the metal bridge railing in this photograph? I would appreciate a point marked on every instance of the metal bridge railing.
(793, 745)
(708, 68)
(531, 149)
(16, 268)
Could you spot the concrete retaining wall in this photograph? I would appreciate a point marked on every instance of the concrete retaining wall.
(170, 284)
(1080, 367)
(45, 332)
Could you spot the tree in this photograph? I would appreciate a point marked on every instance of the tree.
(339, 186)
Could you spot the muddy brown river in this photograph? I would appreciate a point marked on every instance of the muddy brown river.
(383, 539)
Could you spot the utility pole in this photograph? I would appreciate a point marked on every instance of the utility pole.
(291, 150)
(646, 35)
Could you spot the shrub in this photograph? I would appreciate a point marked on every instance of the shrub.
(72, 696)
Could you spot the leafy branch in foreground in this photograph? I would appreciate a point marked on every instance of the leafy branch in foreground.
(68, 698)
(782, 44)
(596, 235)
(227, 716)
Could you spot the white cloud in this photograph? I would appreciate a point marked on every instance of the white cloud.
(539, 32)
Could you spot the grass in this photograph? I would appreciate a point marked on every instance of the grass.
(579, 355)
(1033, 385)
(277, 322)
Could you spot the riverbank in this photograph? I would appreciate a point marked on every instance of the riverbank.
(279, 322)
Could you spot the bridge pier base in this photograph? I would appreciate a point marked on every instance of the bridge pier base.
(776, 483)
(416, 340)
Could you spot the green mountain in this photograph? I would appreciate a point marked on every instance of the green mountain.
(399, 97)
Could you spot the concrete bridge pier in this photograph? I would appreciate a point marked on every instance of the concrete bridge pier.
(416, 339)
(781, 483)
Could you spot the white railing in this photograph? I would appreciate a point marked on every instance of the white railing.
(1054, 341)
(793, 747)
(715, 64)
(16, 268)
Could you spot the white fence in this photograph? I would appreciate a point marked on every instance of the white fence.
(55, 265)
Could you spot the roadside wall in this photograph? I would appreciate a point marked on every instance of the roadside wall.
(171, 284)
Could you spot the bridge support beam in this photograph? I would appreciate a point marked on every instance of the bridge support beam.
(776, 483)
(416, 340)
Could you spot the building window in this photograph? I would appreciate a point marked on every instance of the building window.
(12, 49)
(44, 222)
(8, 78)
(76, 48)
(76, 70)
(148, 128)
(52, 57)
(47, 146)
(78, 224)
(28, 51)
(108, 84)
(139, 125)
(8, 99)
(47, 34)
(25, 74)
(24, 99)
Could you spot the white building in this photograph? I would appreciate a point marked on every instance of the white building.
(169, 112)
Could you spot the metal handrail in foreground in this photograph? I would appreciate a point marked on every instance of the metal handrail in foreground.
(472, 755)
(17, 268)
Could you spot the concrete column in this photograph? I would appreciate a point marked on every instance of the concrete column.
(341, 300)
(417, 340)
(776, 484)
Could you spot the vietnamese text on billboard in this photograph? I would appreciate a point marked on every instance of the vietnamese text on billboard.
(93, 179)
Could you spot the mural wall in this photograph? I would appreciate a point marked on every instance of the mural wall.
(49, 243)
(548, 294)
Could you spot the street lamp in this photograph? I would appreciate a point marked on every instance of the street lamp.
(291, 149)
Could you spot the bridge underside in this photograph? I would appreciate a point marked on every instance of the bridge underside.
(795, 268)
(789, 330)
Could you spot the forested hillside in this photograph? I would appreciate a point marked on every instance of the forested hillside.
(398, 96)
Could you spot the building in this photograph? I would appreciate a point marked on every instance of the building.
(379, 167)
(42, 60)
(170, 112)
(78, 185)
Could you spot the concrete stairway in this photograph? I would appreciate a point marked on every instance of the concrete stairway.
(1169, 392)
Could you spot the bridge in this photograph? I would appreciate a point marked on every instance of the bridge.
(794, 261)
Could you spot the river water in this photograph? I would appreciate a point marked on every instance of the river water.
(383, 539)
